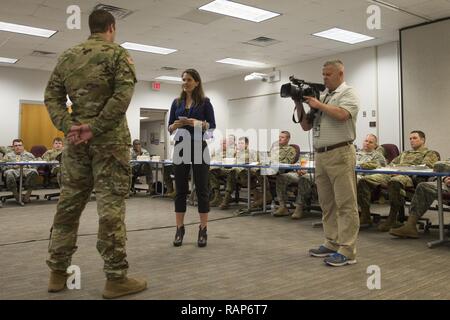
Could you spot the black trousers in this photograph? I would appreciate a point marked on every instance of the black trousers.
(201, 180)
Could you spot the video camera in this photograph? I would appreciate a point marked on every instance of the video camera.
(299, 89)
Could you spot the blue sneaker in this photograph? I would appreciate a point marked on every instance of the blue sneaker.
(322, 252)
(338, 260)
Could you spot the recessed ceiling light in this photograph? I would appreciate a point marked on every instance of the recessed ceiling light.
(238, 10)
(245, 63)
(343, 36)
(169, 78)
(145, 48)
(8, 60)
(17, 28)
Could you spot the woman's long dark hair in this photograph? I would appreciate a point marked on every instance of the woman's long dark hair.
(198, 96)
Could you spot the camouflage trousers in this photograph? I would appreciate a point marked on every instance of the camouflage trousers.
(239, 176)
(425, 194)
(142, 169)
(168, 171)
(396, 188)
(304, 187)
(106, 169)
(217, 175)
(12, 176)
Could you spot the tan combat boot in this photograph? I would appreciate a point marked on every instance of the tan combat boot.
(122, 287)
(409, 230)
(298, 213)
(217, 199)
(259, 199)
(57, 281)
(391, 222)
(226, 201)
(26, 197)
(282, 211)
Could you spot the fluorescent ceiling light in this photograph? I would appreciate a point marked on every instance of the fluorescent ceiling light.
(143, 118)
(343, 36)
(145, 48)
(169, 78)
(256, 76)
(245, 63)
(238, 10)
(8, 60)
(17, 28)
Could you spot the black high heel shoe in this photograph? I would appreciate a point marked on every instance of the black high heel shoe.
(202, 237)
(179, 236)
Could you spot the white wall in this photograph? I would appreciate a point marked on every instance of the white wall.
(18, 84)
(256, 104)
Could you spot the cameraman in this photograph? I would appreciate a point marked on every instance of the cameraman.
(334, 128)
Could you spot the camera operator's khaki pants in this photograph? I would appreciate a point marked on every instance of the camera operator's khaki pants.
(336, 186)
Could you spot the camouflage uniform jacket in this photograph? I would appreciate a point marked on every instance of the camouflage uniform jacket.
(370, 160)
(134, 154)
(13, 157)
(246, 156)
(219, 154)
(416, 157)
(50, 155)
(99, 78)
(282, 154)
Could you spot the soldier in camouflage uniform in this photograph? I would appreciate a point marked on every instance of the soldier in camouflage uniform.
(280, 152)
(305, 184)
(99, 77)
(12, 173)
(426, 193)
(217, 174)
(53, 155)
(369, 158)
(419, 155)
(239, 175)
(141, 169)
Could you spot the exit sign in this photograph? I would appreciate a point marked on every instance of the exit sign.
(156, 86)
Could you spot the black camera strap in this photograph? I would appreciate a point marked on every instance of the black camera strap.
(293, 116)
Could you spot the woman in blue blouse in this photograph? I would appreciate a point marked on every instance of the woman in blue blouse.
(191, 115)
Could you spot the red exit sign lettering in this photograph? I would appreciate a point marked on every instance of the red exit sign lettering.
(156, 86)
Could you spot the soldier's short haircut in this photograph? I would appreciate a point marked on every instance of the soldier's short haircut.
(17, 140)
(420, 133)
(136, 141)
(374, 137)
(244, 138)
(57, 139)
(287, 133)
(100, 20)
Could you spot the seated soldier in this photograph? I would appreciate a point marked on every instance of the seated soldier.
(419, 155)
(370, 157)
(12, 173)
(239, 175)
(304, 183)
(216, 174)
(141, 169)
(54, 155)
(280, 152)
(426, 193)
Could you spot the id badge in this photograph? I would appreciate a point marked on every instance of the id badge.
(316, 131)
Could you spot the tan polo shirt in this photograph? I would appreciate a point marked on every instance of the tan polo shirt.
(328, 131)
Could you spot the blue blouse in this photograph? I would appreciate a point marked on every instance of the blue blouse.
(203, 112)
